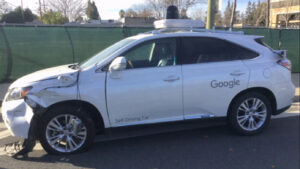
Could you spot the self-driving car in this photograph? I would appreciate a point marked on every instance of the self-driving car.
(166, 75)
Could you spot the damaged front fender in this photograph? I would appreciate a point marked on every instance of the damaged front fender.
(47, 92)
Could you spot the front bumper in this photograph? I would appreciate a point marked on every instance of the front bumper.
(17, 116)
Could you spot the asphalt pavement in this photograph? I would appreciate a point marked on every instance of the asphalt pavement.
(214, 147)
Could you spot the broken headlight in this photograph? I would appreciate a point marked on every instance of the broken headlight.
(18, 93)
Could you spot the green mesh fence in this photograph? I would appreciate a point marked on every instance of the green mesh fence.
(35, 48)
(291, 41)
(26, 49)
(89, 41)
(3, 55)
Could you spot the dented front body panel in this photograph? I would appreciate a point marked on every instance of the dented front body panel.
(55, 85)
(17, 117)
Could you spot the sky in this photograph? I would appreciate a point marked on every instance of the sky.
(109, 9)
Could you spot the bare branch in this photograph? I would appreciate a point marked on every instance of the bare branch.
(71, 9)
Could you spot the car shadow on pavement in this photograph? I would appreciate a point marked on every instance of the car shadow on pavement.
(208, 147)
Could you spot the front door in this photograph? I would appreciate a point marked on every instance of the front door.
(150, 89)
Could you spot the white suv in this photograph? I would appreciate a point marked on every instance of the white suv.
(161, 76)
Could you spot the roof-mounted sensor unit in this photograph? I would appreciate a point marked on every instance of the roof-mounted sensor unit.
(172, 20)
(178, 23)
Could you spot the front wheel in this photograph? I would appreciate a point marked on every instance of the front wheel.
(250, 113)
(66, 130)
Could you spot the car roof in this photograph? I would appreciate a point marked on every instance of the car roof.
(236, 37)
(197, 32)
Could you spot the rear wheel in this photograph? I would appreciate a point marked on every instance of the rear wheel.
(66, 130)
(250, 113)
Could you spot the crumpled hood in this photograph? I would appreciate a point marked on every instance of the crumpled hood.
(47, 74)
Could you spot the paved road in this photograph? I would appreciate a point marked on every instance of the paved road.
(199, 148)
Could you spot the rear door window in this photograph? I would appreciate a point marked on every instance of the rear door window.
(206, 49)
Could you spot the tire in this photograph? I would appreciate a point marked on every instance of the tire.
(64, 139)
(243, 120)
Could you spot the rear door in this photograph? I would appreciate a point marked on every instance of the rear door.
(213, 74)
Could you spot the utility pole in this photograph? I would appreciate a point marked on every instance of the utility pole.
(44, 6)
(22, 10)
(268, 14)
(40, 9)
(232, 19)
(210, 14)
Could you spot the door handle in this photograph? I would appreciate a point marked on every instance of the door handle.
(171, 79)
(237, 73)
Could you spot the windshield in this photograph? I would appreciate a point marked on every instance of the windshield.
(101, 56)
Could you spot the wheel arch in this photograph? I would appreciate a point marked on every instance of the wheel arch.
(91, 110)
(266, 92)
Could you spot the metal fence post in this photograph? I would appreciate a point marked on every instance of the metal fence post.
(126, 31)
(71, 43)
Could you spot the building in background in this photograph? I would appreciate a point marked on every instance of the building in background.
(284, 13)
(138, 21)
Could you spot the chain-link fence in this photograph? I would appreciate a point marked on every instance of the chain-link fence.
(26, 49)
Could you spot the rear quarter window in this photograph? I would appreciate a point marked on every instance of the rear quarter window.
(260, 41)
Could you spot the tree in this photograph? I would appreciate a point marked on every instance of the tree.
(159, 7)
(249, 17)
(142, 10)
(227, 14)
(286, 13)
(260, 14)
(70, 9)
(52, 17)
(238, 17)
(4, 7)
(255, 14)
(218, 19)
(122, 13)
(16, 16)
(198, 14)
(130, 13)
(183, 14)
(28, 15)
(92, 11)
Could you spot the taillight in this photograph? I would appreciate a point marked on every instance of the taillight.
(285, 63)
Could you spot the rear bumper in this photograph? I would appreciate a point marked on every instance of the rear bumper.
(279, 111)
(284, 94)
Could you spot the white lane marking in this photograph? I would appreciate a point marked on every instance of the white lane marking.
(2, 152)
(287, 114)
(2, 125)
(38, 146)
(4, 134)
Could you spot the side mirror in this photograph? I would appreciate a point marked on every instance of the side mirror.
(118, 64)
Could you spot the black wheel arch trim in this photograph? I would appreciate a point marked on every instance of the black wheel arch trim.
(91, 110)
(262, 90)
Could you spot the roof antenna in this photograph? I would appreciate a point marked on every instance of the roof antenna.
(172, 12)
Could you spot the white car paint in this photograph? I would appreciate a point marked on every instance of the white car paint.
(201, 98)
(142, 96)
